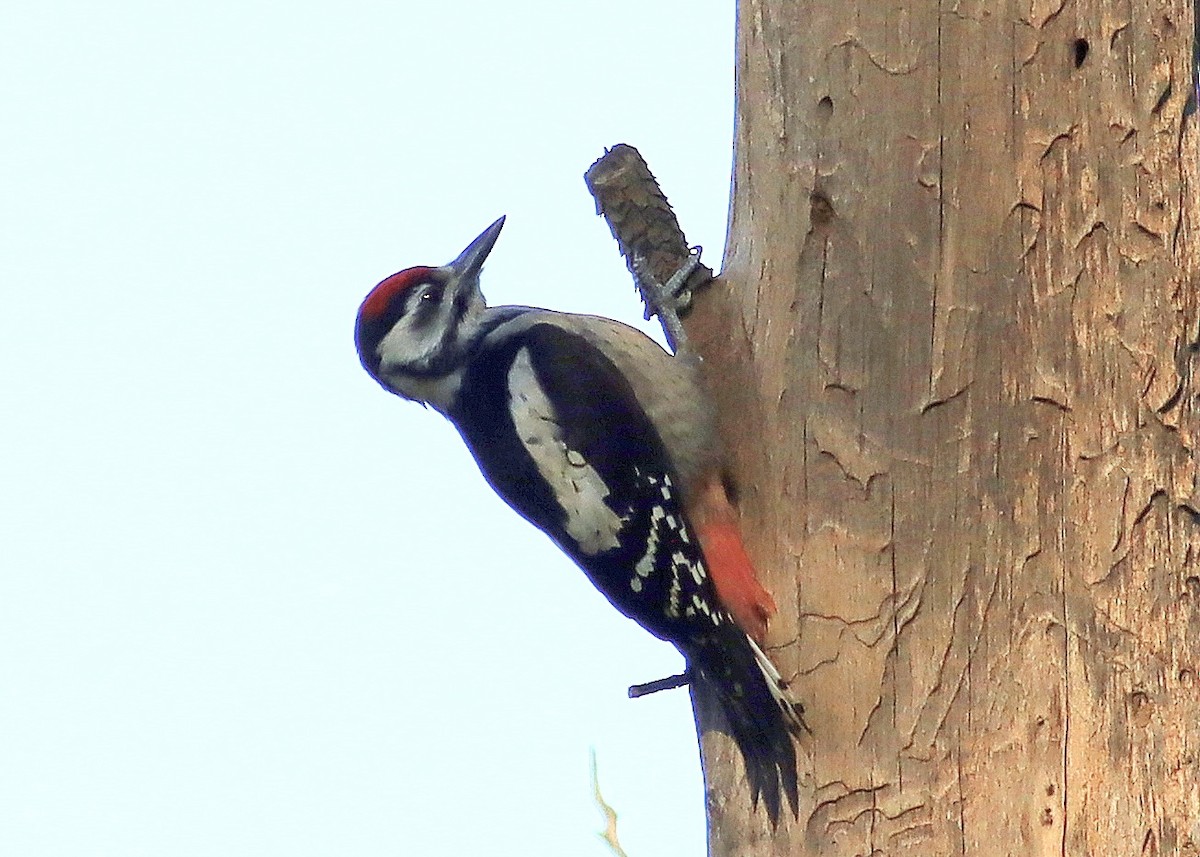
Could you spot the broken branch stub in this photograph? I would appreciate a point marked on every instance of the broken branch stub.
(669, 683)
(628, 197)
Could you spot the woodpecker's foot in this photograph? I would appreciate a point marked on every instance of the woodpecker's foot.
(667, 300)
(669, 683)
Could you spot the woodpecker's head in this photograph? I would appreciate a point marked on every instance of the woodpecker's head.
(414, 328)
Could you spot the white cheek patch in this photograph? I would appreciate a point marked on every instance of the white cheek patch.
(408, 344)
(578, 488)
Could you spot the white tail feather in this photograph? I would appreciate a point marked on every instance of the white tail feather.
(778, 687)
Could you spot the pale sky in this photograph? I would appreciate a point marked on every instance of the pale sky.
(250, 604)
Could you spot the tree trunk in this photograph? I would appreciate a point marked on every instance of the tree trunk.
(952, 349)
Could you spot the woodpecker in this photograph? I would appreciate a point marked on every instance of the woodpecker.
(596, 435)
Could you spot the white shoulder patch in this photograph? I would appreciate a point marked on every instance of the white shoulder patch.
(578, 488)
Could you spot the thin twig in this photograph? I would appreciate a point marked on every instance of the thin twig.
(669, 683)
(610, 815)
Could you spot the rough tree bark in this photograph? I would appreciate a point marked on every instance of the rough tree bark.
(952, 347)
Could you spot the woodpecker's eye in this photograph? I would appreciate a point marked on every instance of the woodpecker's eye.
(432, 294)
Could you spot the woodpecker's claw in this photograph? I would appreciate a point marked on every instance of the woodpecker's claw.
(667, 300)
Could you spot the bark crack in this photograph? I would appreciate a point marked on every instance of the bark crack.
(1066, 667)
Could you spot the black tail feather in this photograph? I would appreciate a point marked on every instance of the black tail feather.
(760, 717)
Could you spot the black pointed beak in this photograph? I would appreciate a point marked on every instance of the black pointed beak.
(471, 260)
